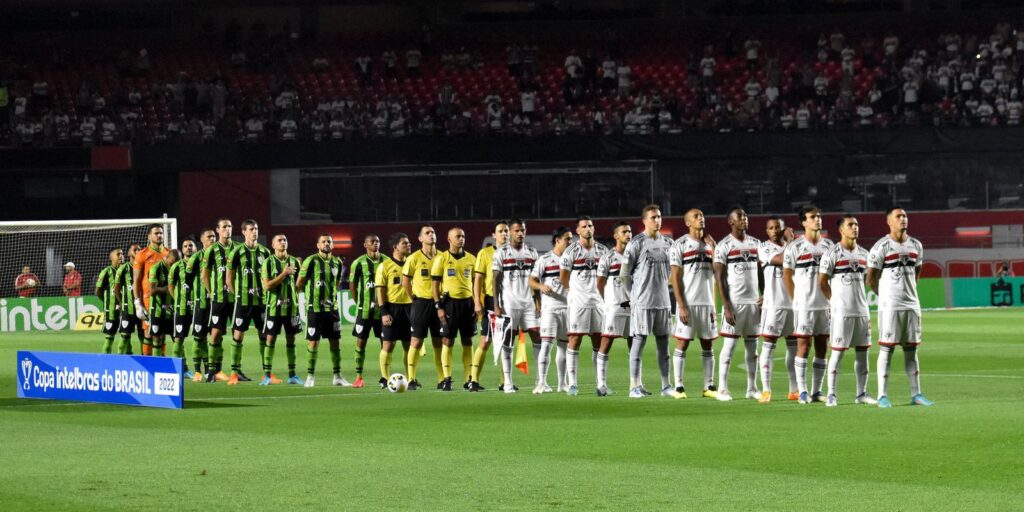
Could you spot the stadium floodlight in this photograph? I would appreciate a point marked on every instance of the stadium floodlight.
(46, 246)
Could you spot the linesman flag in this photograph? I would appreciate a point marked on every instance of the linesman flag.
(521, 361)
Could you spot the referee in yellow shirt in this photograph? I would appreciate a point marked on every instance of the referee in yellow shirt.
(483, 300)
(452, 275)
(423, 316)
(395, 304)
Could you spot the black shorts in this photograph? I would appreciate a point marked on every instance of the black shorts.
(111, 323)
(485, 324)
(247, 315)
(161, 326)
(129, 323)
(364, 326)
(219, 313)
(200, 322)
(325, 324)
(400, 329)
(423, 319)
(272, 325)
(460, 321)
(182, 324)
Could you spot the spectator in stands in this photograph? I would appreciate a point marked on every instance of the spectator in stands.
(514, 60)
(319, 65)
(26, 283)
(390, 61)
(707, 68)
(528, 103)
(573, 67)
(589, 69)
(1004, 270)
(364, 69)
(464, 60)
(752, 49)
(529, 57)
(625, 76)
(608, 78)
(412, 63)
(72, 281)
(446, 97)
(254, 130)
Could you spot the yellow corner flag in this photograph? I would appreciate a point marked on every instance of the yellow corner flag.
(521, 362)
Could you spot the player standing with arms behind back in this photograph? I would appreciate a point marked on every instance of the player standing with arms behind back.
(318, 280)
(776, 309)
(200, 306)
(893, 269)
(616, 301)
(181, 291)
(243, 279)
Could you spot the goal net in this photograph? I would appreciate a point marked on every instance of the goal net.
(45, 247)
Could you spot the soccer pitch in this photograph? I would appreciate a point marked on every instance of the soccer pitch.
(290, 448)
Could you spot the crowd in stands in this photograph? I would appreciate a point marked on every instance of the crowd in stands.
(265, 84)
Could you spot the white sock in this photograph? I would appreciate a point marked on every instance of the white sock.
(602, 370)
(766, 364)
(750, 345)
(800, 365)
(790, 364)
(572, 366)
(725, 363)
(560, 362)
(913, 370)
(833, 370)
(506, 364)
(636, 352)
(861, 367)
(884, 359)
(543, 362)
(678, 366)
(707, 360)
(661, 342)
(819, 365)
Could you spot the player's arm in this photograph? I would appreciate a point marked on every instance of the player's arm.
(274, 282)
(478, 292)
(534, 280)
(172, 281)
(498, 288)
(205, 266)
(229, 278)
(154, 282)
(872, 277)
(137, 280)
(787, 281)
(102, 284)
(824, 280)
(723, 290)
(676, 278)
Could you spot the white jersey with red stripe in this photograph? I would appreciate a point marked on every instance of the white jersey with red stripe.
(546, 270)
(515, 266)
(899, 263)
(610, 268)
(694, 257)
(775, 296)
(846, 269)
(581, 262)
(740, 260)
(803, 258)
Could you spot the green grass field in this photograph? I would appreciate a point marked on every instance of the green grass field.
(290, 448)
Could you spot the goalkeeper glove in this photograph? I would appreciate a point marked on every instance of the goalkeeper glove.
(140, 311)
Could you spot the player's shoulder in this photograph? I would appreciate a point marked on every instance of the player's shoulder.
(753, 240)
(880, 243)
(915, 242)
(529, 248)
(727, 240)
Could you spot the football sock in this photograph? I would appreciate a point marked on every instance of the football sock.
(913, 372)
(861, 367)
(543, 362)
(218, 356)
(163, 349)
(750, 346)
(833, 370)
(311, 366)
(661, 344)
(446, 361)
(885, 358)
(200, 352)
(636, 353)
(766, 364)
(478, 361)
(263, 348)
(236, 356)
(108, 344)
(467, 361)
(506, 365)
(791, 364)
(602, 370)
(800, 364)
(438, 364)
(820, 365)
(725, 362)
(679, 366)
(289, 352)
(360, 359)
(412, 357)
(268, 359)
(572, 366)
(563, 346)
(125, 345)
(536, 350)
(179, 348)
(707, 360)
(593, 357)
(385, 363)
(336, 360)
(147, 349)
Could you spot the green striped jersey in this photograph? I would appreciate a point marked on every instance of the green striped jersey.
(215, 258)
(158, 276)
(194, 274)
(321, 275)
(179, 281)
(124, 277)
(105, 284)
(281, 299)
(362, 274)
(245, 262)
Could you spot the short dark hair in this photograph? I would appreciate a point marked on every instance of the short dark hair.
(189, 238)
(513, 221)
(396, 238)
(247, 223)
(649, 208)
(618, 225)
(806, 209)
(735, 208)
(277, 235)
(843, 217)
(582, 218)
(114, 249)
(219, 220)
(558, 232)
(892, 209)
(422, 227)
(321, 235)
(775, 217)
(498, 223)
(369, 236)
(152, 227)
(207, 230)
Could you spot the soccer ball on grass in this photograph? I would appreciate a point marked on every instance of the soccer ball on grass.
(397, 383)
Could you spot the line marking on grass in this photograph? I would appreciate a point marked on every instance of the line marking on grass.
(973, 375)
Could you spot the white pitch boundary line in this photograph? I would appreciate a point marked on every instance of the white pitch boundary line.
(57, 403)
(971, 376)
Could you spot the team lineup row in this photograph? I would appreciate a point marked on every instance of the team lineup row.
(809, 291)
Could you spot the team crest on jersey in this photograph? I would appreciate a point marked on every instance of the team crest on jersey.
(334, 271)
(197, 328)
(259, 259)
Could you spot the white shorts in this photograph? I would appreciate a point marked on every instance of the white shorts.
(899, 327)
(523, 319)
(776, 323)
(584, 321)
(703, 325)
(616, 322)
(810, 323)
(850, 331)
(748, 316)
(645, 322)
(553, 324)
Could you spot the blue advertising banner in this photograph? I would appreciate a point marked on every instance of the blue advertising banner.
(112, 379)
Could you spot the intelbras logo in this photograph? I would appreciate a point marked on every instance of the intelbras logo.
(42, 314)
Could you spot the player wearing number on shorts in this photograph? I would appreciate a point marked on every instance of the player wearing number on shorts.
(318, 280)
(893, 269)
(693, 284)
(579, 279)
(776, 308)
(105, 290)
(841, 276)
(546, 278)
(615, 302)
(280, 299)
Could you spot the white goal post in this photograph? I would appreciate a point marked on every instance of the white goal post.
(47, 246)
